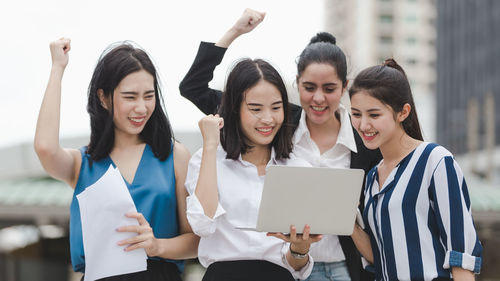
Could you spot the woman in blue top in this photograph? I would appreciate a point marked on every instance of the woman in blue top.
(129, 130)
(417, 207)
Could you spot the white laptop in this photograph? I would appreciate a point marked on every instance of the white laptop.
(324, 198)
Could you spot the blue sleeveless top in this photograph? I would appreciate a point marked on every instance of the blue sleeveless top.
(153, 192)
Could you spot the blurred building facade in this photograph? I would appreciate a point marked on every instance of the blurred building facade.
(370, 31)
(450, 50)
(468, 81)
(468, 90)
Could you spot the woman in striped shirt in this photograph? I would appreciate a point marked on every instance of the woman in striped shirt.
(417, 208)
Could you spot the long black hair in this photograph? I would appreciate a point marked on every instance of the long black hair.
(115, 63)
(246, 74)
(388, 83)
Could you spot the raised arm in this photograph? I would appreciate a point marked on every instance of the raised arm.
(246, 23)
(206, 187)
(194, 86)
(62, 164)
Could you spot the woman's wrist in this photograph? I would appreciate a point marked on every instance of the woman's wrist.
(299, 250)
(210, 146)
(298, 255)
(228, 38)
(155, 250)
(57, 70)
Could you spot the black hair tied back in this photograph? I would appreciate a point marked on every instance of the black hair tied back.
(388, 84)
(322, 48)
(390, 62)
(323, 37)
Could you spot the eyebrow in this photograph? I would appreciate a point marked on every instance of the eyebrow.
(259, 104)
(369, 110)
(326, 84)
(135, 93)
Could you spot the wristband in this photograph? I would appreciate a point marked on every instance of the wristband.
(297, 255)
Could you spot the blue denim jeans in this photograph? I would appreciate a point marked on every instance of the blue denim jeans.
(329, 271)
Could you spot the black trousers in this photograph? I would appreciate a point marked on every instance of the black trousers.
(246, 270)
(157, 271)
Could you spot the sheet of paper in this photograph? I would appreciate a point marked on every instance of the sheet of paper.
(103, 206)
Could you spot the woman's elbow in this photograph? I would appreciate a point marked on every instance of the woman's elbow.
(44, 149)
(184, 88)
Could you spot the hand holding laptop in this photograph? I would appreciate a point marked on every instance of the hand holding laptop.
(301, 241)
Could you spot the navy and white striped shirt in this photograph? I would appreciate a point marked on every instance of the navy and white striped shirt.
(420, 222)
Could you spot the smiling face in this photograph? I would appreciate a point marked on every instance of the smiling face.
(377, 124)
(134, 102)
(320, 91)
(261, 113)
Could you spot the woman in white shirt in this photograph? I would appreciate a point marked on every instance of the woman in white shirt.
(225, 180)
(324, 136)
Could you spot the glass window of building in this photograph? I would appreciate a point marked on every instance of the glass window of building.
(411, 61)
(385, 39)
(411, 18)
(386, 18)
(411, 40)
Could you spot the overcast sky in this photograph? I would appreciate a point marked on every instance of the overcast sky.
(170, 32)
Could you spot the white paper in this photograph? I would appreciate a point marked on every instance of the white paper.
(103, 206)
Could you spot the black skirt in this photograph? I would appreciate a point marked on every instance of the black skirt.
(157, 271)
(247, 270)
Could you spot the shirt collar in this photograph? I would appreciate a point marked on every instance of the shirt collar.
(272, 161)
(345, 137)
(301, 130)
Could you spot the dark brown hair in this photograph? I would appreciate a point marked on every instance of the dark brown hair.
(115, 63)
(388, 83)
(245, 75)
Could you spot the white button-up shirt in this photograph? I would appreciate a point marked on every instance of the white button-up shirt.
(327, 249)
(240, 190)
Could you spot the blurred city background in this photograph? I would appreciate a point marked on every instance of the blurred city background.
(450, 50)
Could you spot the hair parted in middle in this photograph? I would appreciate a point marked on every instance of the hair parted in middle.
(245, 75)
(322, 48)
